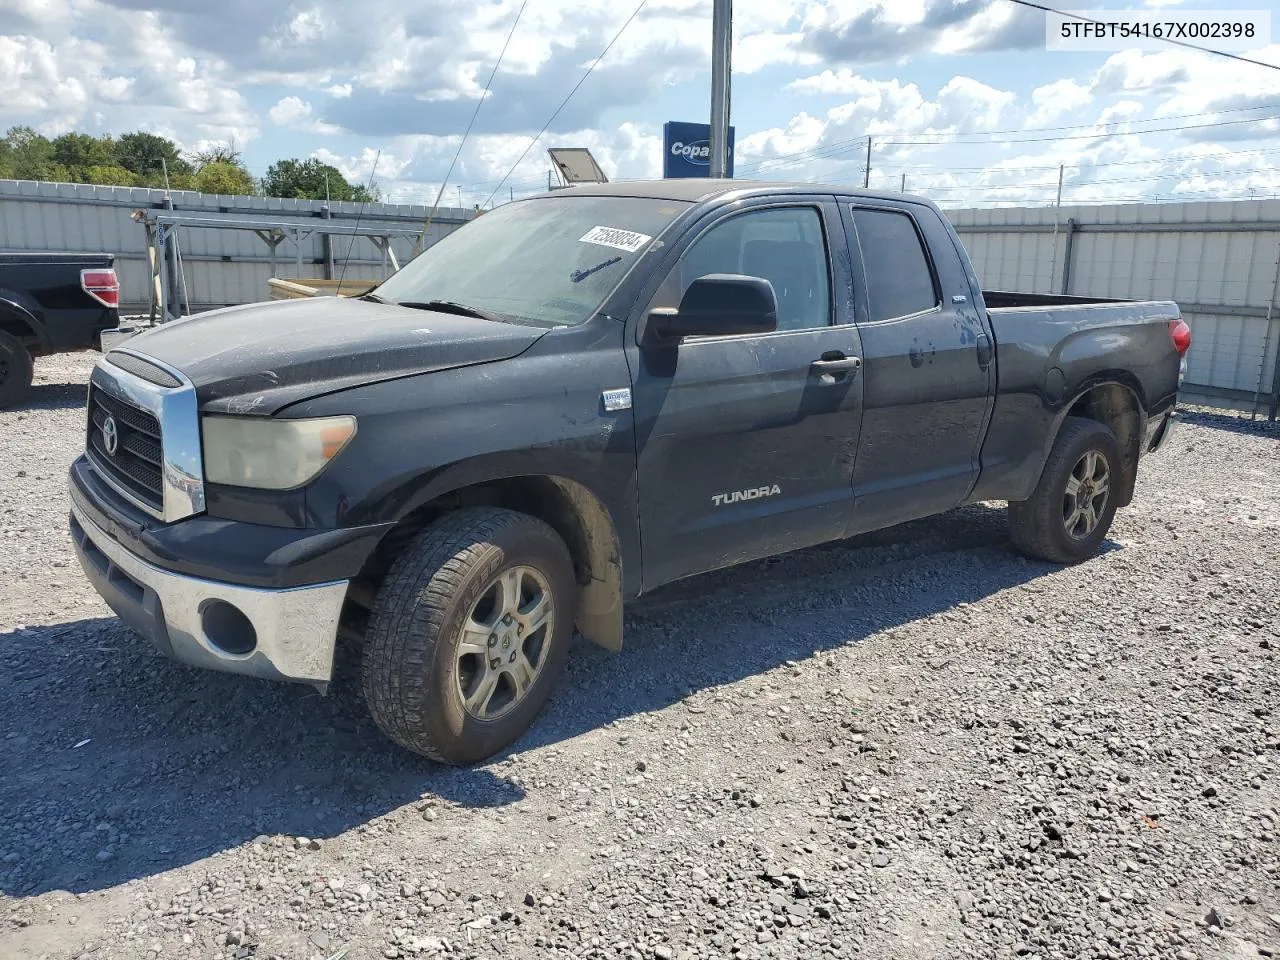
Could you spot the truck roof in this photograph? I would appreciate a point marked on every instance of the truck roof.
(698, 189)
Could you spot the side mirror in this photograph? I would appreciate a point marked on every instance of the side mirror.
(718, 305)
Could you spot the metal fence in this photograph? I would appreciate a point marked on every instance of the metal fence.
(219, 267)
(1219, 261)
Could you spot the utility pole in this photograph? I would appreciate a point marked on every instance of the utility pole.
(866, 174)
(721, 69)
(1057, 209)
(904, 183)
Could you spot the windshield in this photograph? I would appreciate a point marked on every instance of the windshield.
(550, 260)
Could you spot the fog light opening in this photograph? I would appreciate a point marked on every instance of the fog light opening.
(227, 628)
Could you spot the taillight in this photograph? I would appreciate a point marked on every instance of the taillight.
(102, 285)
(1180, 333)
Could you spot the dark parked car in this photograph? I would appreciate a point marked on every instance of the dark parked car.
(51, 303)
(575, 399)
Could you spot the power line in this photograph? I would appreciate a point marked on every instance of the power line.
(1180, 43)
(1220, 168)
(851, 143)
(1089, 183)
(917, 172)
(466, 133)
(1078, 136)
(368, 191)
(831, 151)
(1260, 193)
(923, 168)
(552, 118)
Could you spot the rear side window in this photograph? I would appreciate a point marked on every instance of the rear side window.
(898, 277)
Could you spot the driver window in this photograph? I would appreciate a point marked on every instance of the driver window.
(784, 245)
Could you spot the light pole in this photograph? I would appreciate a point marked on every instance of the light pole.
(721, 48)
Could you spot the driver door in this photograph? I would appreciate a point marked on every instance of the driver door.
(745, 443)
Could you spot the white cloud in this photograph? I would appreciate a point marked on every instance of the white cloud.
(297, 114)
(841, 81)
(879, 31)
(308, 25)
(880, 108)
(404, 78)
(1057, 99)
(969, 104)
(408, 169)
(289, 111)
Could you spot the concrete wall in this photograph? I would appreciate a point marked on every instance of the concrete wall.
(221, 267)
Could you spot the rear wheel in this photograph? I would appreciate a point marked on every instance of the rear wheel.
(16, 370)
(469, 633)
(1069, 514)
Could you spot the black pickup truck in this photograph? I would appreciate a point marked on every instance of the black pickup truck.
(51, 303)
(577, 398)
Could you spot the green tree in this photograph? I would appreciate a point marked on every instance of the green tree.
(82, 151)
(217, 153)
(108, 174)
(222, 177)
(147, 155)
(28, 155)
(306, 180)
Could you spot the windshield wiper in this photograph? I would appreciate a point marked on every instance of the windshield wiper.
(450, 306)
(579, 275)
(372, 298)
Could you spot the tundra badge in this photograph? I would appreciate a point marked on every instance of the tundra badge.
(737, 496)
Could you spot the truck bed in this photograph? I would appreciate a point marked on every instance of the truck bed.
(53, 258)
(1005, 299)
(1052, 319)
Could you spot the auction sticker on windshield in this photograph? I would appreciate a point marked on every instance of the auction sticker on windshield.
(627, 240)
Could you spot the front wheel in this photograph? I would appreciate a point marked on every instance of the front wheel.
(469, 633)
(1068, 516)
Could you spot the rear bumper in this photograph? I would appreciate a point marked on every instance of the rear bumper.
(278, 634)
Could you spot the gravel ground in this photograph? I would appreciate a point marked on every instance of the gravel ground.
(912, 745)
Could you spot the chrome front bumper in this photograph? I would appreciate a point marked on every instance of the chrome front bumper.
(291, 632)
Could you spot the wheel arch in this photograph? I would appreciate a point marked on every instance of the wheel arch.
(569, 507)
(18, 321)
(1117, 401)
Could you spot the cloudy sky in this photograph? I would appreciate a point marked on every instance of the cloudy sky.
(961, 96)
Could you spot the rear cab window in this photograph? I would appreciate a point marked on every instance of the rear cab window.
(899, 277)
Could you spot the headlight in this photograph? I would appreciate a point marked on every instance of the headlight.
(271, 454)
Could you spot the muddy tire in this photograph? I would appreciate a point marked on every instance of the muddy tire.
(469, 633)
(16, 370)
(1069, 514)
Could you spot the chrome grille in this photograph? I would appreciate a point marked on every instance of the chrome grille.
(143, 434)
(136, 463)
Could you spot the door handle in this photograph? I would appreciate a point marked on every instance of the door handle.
(984, 351)
(841, 365)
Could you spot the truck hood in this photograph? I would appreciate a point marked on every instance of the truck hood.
(259, 357)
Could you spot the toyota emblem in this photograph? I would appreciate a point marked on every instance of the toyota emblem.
(110, 436)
